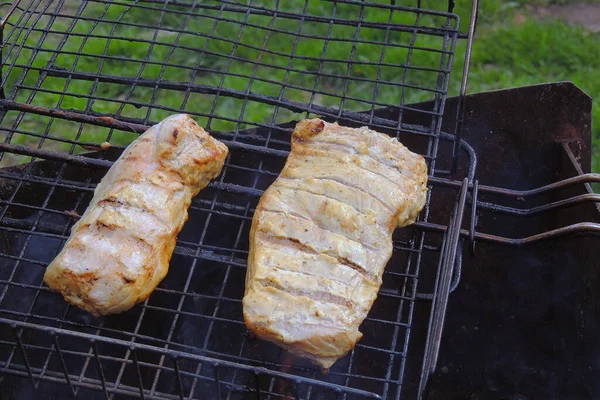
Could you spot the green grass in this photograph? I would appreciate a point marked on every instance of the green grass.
(506, 54)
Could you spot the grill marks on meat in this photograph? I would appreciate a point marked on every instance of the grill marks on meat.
(120, 249)
(321, 237)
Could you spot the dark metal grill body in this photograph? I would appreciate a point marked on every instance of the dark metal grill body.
(245, 71)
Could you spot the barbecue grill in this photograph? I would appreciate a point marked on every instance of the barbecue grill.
(67, 112)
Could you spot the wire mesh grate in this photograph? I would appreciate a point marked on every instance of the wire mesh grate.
(223, 62)
(197, 307)
(90, 76)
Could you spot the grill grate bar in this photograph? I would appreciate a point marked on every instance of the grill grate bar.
(125, 389)
(178, 376)
(208, 70)
(248, 8)
(100, 368)
(405, 73)
(130, 391)
(326, 43)
(126, 126)
(25, 20)
(410, 306)
(139, 373)
(87, 356)
(23, 354)
(393, 27)
(360, 23)
(62, 362)
(142, 347)
(380, 68)
(238, 94)
(130, 351)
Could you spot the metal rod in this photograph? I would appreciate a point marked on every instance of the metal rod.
(105, 121)
(446, 281)
(100, 370)
(110, 122)
(297, 388)
(257, 385)
(398, 7)
(218, 380)
(441, 295)
(62, 362)
(139, 372)
(178, 376)
(23, 353)
(294, 106)
(455, 277)
(55, 156)
(460, 107)
(473, 222)
(440, 292)
(584, 198)
(127, 391)
(291, 105)
(427, 354)
(576, 180)
(9, 13)
(581, 227)
(2, 94)
(585, 178)
(567, 148)
(257, 10)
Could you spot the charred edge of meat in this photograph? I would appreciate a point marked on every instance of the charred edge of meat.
(344, 261)
(308, 128)
(112, 201)
(357, 268)
(102, 225)
(126, 279)
(319, 295)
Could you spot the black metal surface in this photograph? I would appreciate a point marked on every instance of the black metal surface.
(188, 339)
(524, 322)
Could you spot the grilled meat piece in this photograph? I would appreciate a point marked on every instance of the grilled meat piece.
(120, 249)
(321, 237)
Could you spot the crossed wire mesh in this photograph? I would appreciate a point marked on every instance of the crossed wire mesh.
(244, 71)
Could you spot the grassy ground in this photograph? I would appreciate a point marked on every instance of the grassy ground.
(512, 48)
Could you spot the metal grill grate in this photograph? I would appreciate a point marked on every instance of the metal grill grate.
(89, 76)
(223, 63)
